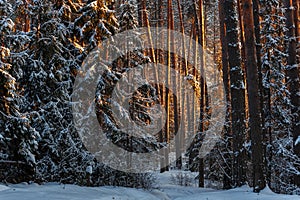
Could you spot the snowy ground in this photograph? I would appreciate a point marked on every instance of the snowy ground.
(166, 189)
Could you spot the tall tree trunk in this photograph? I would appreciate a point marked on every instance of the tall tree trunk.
(264, 100)
(253, 98)
(168, 82)
(182, 66)
(227, 181)
(146, 23)
(161, 60)
(191, 100)
(237, 92)
(199, 22)
(293, 80)
(175, 80)
(265, 85)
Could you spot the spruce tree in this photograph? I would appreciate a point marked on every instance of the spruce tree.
(277, 104)
(18, 138)
(95, 23)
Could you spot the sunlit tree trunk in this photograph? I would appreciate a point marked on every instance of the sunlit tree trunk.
(190, 99)
(162, 89)
(168, 82)
(241, 28)
(182, 66)
(199, 23)
(146, 23)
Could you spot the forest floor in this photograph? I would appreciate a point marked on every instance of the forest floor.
(166, 187)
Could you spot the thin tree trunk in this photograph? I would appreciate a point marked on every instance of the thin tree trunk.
(167, 92)
(146, 23)
(241, 26)
(199, 20)
(177, 103)
(191, 99)
(182, 71)
(161, 60)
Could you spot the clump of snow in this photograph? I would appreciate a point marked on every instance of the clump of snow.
(297, 141)
(89, 169)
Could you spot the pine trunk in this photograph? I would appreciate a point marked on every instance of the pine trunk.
(200, 33)
(161, 60)
(237, 92)
(227, 180)
(293, 80)
(253, 98)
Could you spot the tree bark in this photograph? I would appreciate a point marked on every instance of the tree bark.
(253, 98)
(200, 32)
(161, 60)
(293, 80)
(179, 141)
(141, 13)
(237, 92)
(241, 26)
(227, 180)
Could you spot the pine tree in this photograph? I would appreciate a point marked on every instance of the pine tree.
(227, 181)
(237, 92)
(253, 98)
(127, 18)
(47, 87)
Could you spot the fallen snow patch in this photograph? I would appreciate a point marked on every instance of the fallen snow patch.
(3, 187)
